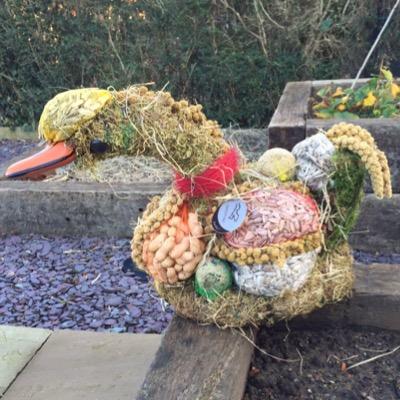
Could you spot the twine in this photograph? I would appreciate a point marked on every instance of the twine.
(378, 38)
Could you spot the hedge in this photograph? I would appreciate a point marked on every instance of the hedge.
(233, 56)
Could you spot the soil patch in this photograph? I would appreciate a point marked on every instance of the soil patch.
(319, 366)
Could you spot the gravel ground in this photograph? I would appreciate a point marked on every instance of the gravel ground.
(78, 283)
(12, 148)
(319, 367)
(369, 258)
(74, 283)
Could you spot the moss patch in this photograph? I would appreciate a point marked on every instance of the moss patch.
(348, 183)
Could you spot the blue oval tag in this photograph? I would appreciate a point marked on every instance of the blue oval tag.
(229, 216)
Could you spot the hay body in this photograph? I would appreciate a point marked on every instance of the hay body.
(140, 122)
(331, 280)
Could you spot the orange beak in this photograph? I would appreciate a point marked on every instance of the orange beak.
(35, 167)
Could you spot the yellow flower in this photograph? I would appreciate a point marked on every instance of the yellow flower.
(319, 106)
(395, 89)
(338, 92)
(387, 74)
(322, 115)
(370, 100)
(341, 107)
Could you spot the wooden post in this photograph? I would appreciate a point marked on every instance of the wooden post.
(198, 362)
(287, 126)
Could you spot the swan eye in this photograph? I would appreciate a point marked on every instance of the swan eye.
(98, 147)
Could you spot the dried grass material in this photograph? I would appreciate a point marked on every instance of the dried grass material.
(139, 121)
(121, 169)
(330, 281)
(174, 131)
(108, 126)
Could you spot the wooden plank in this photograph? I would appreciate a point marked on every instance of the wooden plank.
(75, 365)
(71, 208)
(287, 126)
(316, 85)
(17, 347)
(378, 228)
(375, 302)
(198, 362)
(386, 132)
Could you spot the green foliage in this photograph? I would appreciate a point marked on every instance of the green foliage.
(348, 189)
(232, 56)
(379, 97)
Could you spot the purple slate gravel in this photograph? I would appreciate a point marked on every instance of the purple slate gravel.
(75, 283)
(12, 148)
(370, 258)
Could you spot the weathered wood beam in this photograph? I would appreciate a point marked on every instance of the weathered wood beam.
(375, 302)
(287, 126)
(316, 85)
(378, 227)
(72, 208)
(198, 362)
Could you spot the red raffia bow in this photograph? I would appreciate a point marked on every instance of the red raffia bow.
(215, 178)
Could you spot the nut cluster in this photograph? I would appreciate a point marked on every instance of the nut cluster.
(360, 141)
(173, 252)
(168, 245)
(158, 211)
